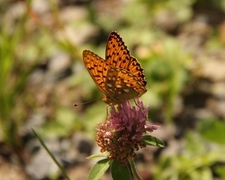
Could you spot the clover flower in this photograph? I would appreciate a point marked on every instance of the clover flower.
(121, 134)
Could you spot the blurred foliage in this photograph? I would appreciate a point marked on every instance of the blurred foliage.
(167, 72)
(13, 76)
(62, 124)
(193, 160)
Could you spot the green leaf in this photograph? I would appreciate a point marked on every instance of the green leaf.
(208, 127)
(119, 171)
(100, 155)
(153, 141)
(51, 155)
(99, 169)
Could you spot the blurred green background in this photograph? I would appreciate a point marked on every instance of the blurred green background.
(180, 45)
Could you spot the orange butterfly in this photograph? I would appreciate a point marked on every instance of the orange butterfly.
(120, 77)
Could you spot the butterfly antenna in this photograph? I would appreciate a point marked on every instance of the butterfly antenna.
(87, 102)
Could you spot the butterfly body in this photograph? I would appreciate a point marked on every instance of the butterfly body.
(120, 77)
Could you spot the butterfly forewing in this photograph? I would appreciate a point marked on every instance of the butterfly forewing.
(136, 69)
(117, 55)
(97, 68)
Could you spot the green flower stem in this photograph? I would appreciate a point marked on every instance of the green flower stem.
(133, 169)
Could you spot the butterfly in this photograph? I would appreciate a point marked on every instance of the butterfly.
(120, 76)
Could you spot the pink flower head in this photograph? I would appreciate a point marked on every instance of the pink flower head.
(121, 133)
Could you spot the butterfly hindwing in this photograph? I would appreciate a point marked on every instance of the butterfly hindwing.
(123, 84)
